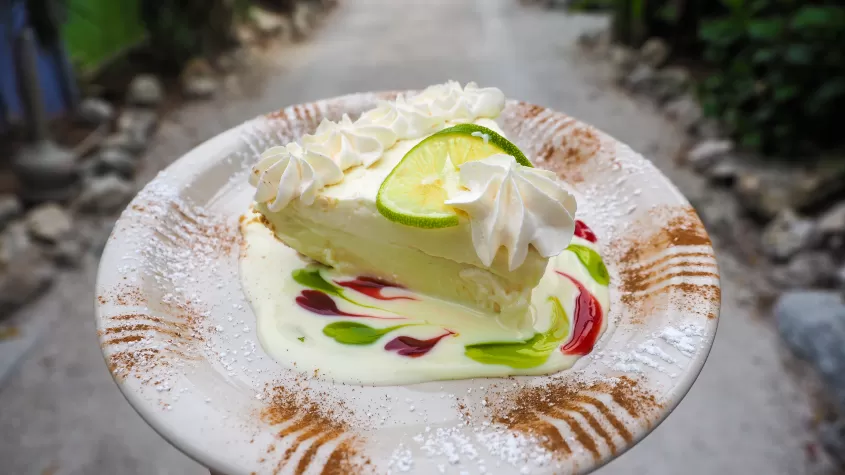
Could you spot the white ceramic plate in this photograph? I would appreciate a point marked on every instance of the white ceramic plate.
(180, 338)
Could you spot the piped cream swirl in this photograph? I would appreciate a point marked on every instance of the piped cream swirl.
(286, 173)
(513, 206)
(349, 144)
(407, 121)
(453, 103)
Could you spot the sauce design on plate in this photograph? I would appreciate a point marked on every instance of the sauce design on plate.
(342, 325)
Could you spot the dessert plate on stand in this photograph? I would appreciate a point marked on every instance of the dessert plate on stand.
(180, 339)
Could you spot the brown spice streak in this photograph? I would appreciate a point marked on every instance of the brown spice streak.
(277, 114)
(125, 339)
(529, 111)
(626, 394)
(550, 438)
(142, 316)
(311, 432)
(597, 427)
(605, 411)
(583, 438)
(542, 121)
(663, 262)
(310, 118)
(709, 291)
(123, 363)
(342, 460)
(525, 412)
(142, 362)
(124, 295)
(677, 227)
(309, 454)
(145, 327)
(296, 427)
(308, 419)
(657, 280)
(193, 229)
(685, 229)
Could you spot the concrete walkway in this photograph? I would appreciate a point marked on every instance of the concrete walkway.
(61, 414)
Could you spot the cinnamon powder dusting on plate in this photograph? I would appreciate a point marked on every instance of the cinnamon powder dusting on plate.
(668, 244)
(304, 421)
(123, 295)
(553, 140)
(587, 409)
(140, 344)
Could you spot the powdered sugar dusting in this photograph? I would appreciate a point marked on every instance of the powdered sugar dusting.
(477, 449)
(685, 338)
(401, 460)
(655, 352)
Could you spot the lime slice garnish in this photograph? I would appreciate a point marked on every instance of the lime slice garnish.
(415, 191)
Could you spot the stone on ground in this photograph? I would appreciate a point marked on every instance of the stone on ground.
(46, 172)
(145, 90)
(116, 160)
(198, 80)
(707, 153)
(669, 83)
(68, 252)
(138, 123)
(10, 208)
(685, 111)
(641, 79)
(813, 325)
(132, 143)
(623, 60)
(806, 270)
(266, 22)
(95, 111)
(654, 52)
(723, 173)
(49, 222)
(787, 234)
(105, 194)
(832, 222)
(24, 271)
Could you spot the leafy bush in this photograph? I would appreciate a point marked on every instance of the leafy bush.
(778, 66)
(780, 80)
(181, 29)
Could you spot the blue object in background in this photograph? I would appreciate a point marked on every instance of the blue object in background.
(48, 71)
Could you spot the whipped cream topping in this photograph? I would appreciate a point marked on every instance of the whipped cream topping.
(406, 120)
(285, 173)
(349, 144)
(513, 206)
(452, 102)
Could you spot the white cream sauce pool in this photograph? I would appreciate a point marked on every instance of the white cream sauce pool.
(294, 336)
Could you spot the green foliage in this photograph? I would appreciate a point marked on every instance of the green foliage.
(778, 66)
(182, 29)
(779, 83)
(590, 5)
(95, 31)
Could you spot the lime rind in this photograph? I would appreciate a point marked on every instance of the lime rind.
(429, 160)
(506, 146)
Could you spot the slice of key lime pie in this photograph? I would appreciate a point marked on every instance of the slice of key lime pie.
(422, 226)
(425, 193)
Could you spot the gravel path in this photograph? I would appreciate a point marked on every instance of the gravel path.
(62, 412)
